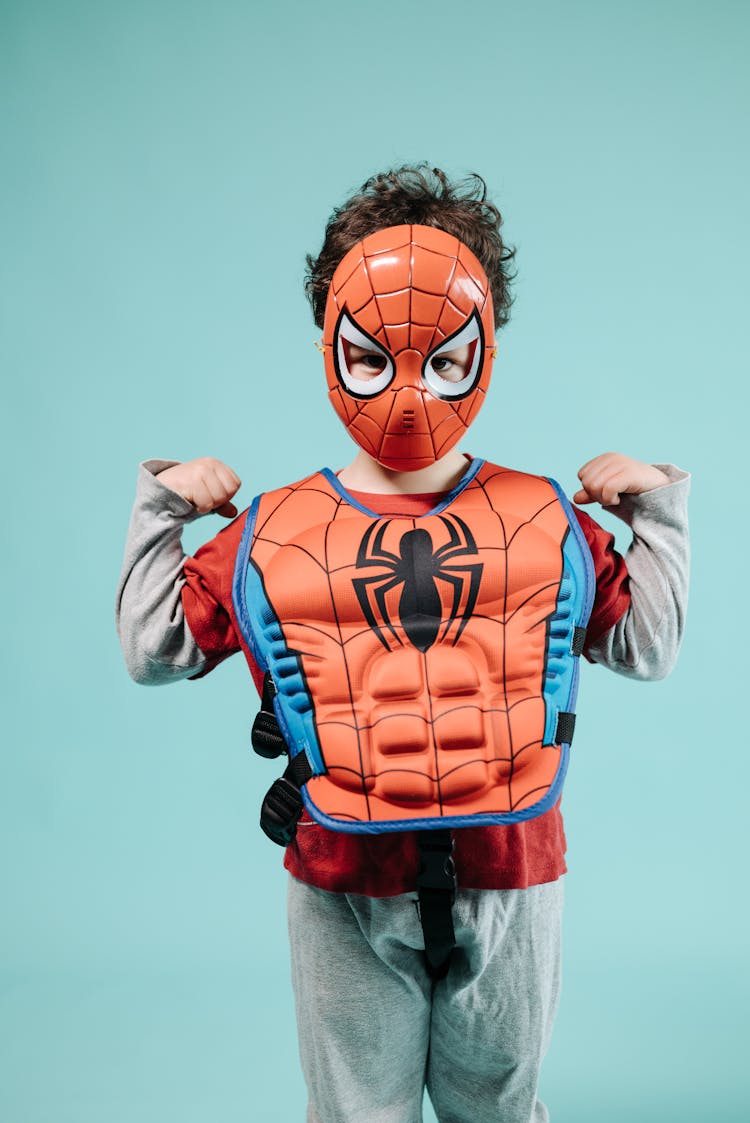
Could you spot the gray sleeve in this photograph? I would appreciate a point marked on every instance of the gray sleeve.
(155, 638)
(644, 643)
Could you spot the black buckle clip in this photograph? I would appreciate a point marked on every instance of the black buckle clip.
(281, 811)
(437, 869)
(266, 737)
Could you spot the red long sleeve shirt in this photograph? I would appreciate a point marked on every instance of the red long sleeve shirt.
(500, 857)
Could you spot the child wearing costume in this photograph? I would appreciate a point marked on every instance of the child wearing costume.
(414, 624)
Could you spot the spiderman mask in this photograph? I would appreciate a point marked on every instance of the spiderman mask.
(409, 341)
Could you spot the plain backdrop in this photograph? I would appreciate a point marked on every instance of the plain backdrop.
(166, 165)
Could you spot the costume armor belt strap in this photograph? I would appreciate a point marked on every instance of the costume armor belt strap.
(426, 667)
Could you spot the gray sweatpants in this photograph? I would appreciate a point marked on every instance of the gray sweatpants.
(374, 1030)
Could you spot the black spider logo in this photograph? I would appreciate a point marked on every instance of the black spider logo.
(418, 566)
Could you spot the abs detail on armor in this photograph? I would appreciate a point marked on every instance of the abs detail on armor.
(426, 666)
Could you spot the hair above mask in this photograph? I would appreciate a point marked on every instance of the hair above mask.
(423, 196)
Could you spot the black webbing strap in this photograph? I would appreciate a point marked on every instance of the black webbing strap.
(436, 889)
(282, 806)
(267, 738)
(299, 770)
(579, 640)
(566, 723)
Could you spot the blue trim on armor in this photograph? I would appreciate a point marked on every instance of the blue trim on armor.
(465, 480)
(575, 599)
(438, 822)
(588, 561)
(261, 628)
(238, 583)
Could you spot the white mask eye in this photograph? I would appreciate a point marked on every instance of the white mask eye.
(452, 376)
(355, 354)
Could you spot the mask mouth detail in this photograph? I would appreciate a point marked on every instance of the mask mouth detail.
(347, 334)
(471, 335)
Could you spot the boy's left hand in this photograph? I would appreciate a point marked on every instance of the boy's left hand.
(607, 477)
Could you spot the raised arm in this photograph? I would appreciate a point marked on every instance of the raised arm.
(644, 643)
(156, 639)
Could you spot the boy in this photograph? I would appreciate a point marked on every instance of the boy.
(405, 612)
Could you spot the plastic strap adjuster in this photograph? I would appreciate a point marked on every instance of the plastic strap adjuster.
(437, 869)
(282, 806)
(281, 811)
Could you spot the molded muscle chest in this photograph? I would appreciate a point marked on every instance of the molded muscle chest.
(420, 663)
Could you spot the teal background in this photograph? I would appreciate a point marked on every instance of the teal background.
(165, 167)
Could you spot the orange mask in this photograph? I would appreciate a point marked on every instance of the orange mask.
(409, 294)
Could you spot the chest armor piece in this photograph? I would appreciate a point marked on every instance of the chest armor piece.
(421, 664)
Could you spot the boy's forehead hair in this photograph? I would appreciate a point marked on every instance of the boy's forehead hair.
(423, 196)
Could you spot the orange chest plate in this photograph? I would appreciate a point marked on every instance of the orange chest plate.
(410, 655)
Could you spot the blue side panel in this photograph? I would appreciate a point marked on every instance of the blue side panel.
(573, 608)
(238, 584)
(262, 631)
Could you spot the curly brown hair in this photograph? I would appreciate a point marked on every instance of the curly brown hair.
(416, 195)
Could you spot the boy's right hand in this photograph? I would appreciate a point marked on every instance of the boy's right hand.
(206, 483)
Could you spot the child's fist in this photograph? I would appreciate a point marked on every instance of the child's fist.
(206, 483)
(607, 477)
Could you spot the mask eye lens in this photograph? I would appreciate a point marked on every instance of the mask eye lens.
(363, 366)
(453, 365)
(362, 362)
(452, 369)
